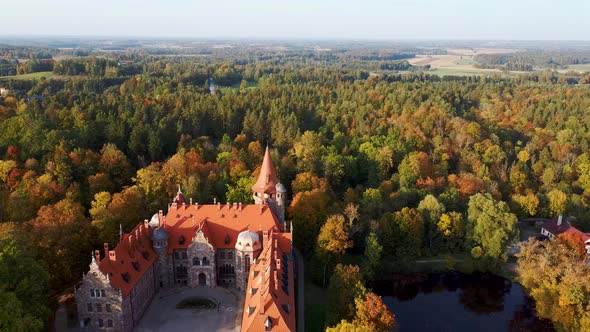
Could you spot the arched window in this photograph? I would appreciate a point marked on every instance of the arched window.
(205, 261)
(196, 261)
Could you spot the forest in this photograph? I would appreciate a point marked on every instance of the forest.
(397, 165)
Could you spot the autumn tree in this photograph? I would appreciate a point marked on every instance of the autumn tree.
(333, 240)
(557, 202)
(452, 229)
(372, 312)
(61, 238)
(557, 278)
(346, 284)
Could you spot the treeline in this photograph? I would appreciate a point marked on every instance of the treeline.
(531, 60)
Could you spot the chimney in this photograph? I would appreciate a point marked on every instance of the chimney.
(184, 205)
(112, 255)
(190, 200)
(146, 224)
(240, 206)
(559, 219)
(161, 218)
(218, 206)
(235, 206)
(131, 242)
(97, 256)
(214, 200)
(106, 250)
(228, 205)
(197, 205)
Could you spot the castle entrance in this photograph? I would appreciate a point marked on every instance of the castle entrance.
(202, 279)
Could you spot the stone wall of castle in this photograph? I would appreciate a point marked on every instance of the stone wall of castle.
(100, 306)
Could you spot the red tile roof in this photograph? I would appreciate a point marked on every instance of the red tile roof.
(129, 260)
(267, 180)
(270, 291)
(220, 223)
(565, 227)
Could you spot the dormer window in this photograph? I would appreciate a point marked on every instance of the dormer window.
(181, 240)
(126, 277)
(268, 324)
(135, 266)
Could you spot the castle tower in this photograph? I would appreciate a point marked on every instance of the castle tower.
(160, 245)
(268, 190)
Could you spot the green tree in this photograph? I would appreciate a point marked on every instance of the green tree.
(431, 210)
(241, 192)
(491, 227)
(373, 250)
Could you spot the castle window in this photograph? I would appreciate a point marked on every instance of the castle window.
(126, 277)
(222, 255)
(247, 262)
(184, 255)
(98, 307)
(102, 293)
(100, 323)
(92, 292)
(89, 307)
(108, 307)
(230, 255)
(196, 261)
(205, 261)
(176, 255)
(110, 323)
(145, 254)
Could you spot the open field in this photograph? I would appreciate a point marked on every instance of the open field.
(579, 68)
(31, 76)
(458, 62)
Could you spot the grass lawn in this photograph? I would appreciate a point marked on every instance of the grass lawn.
(31, 76)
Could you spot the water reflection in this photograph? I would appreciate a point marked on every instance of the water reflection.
(455, 301)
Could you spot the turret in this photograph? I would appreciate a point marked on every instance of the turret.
(268, 190)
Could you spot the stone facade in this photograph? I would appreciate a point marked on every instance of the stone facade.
(103, 308)
(100, 306)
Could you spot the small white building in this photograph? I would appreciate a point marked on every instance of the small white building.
(3, 91)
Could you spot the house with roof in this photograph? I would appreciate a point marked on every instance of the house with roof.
(242, 246)
(553, 228)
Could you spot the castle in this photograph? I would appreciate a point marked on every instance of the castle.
(244, 246)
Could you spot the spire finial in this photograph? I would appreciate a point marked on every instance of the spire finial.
(93, 257)
(180, 191)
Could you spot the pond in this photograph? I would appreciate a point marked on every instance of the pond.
(454, 301)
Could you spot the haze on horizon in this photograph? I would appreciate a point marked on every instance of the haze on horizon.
(302, 19)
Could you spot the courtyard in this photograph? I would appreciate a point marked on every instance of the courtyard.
(162, 314)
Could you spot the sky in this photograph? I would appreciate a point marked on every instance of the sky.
(301, 19)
